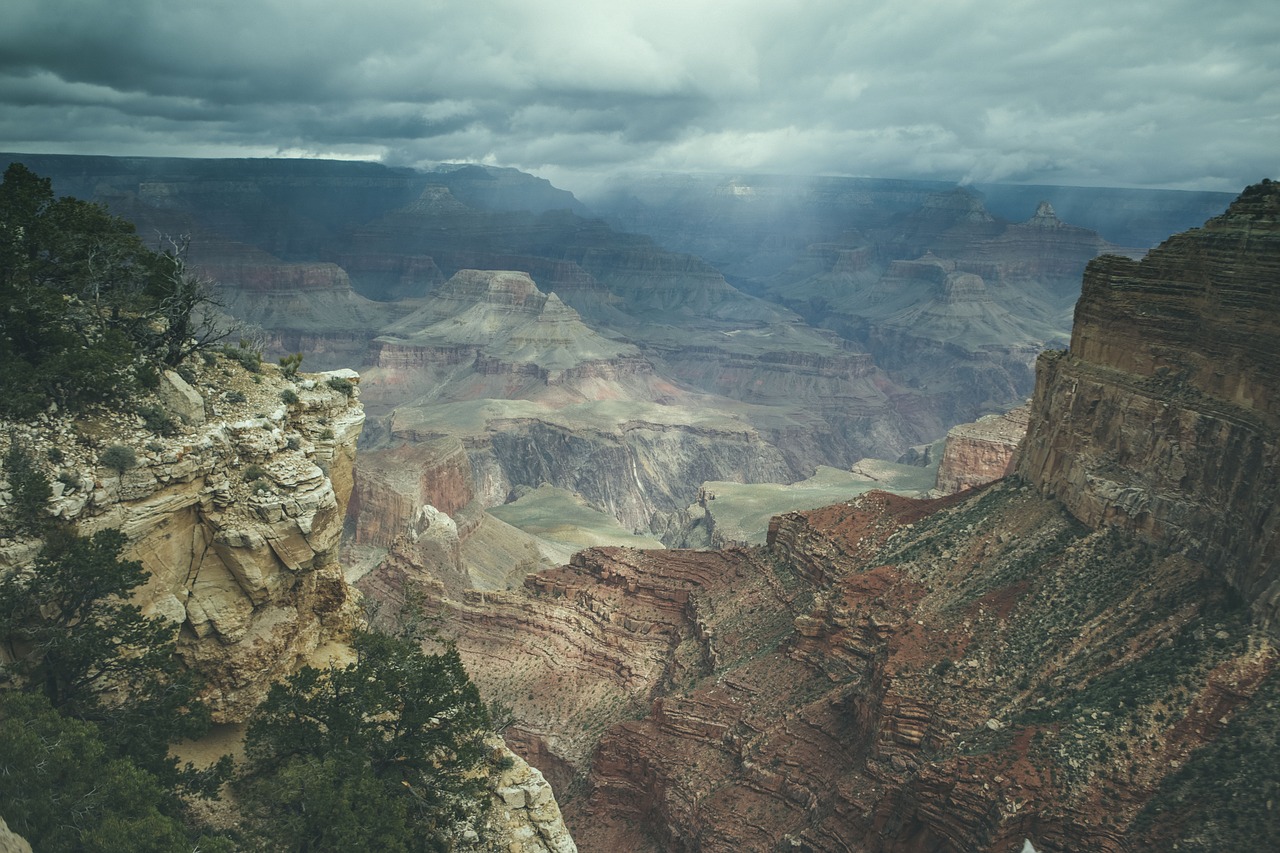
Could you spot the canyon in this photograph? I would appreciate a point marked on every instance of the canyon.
(235, 513)
(1074, 655)
(1071, 643)
(733, 329)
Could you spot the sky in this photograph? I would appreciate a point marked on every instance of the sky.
(1138, 93)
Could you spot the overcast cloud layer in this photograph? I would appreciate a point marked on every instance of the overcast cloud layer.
(1165, 93)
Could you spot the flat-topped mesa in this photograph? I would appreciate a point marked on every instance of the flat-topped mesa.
(498, 287)
(503, 315)
(1164, 416)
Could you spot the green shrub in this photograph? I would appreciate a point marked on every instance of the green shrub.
(119, 458)
(31, 491)
(246, 355)
(158, 420)
(289, 364)
(289, 396)
(342, 386)
(235, 397)
(254, 472)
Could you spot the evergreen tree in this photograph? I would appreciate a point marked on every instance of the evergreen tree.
(87, 312)
(385, 753)
(62, 788)
(72, 634)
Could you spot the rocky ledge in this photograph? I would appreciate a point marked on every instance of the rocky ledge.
(234, 508)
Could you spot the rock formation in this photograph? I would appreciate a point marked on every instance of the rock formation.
(978, 453)
(524, 816)
(236, 516)
(10, 841)
(1164, 416)
(964, 673)
(537, 396)
(236, 519)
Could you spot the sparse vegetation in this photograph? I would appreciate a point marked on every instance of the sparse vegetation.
(289, 364)
(245, 354)
(342, 386)
(119, 458)
(1224, 796)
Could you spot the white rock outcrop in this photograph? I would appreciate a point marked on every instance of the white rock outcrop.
(524, 817)
(237, 520)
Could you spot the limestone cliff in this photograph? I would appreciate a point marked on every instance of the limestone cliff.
(11, 842)
(524, 816)
(236, 515)
(1164, 416)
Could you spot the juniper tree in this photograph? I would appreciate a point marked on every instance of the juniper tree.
(381, 754)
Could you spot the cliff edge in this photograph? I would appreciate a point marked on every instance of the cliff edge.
(231, 490)
(1164, 416)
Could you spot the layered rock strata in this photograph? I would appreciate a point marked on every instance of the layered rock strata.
(536, 396)
(236, 520)
(1164, 416)
(963, 676)
(582, 645)
(977, 453)
(965, 673)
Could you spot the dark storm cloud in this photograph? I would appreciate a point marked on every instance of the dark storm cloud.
(1154, 92)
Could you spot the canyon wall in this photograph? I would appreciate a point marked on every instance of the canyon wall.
(1164, 416)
